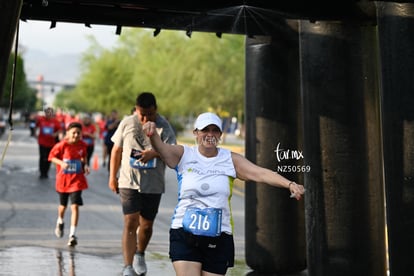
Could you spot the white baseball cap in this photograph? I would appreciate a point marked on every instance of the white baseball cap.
(206, 119)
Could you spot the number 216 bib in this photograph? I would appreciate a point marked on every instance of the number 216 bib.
(203, 222)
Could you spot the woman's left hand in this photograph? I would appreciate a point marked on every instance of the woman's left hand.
(296, 190)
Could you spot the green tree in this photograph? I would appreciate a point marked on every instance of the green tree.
(104, 82)
(24, 96)
(65, 99)
(188, 76)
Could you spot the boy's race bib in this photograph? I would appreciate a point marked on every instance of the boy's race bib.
(135, 163)
(75, 167)
(203, 222)
(88, 141)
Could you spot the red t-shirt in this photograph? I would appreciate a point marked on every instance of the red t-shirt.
(86, 131)
(72, 179)
(69, 119)
(47, 127)
(101, 124)
(61, 118)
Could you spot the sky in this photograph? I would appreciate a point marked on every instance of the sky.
(55, 53)
(65, 38)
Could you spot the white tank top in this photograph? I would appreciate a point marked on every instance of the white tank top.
(205, 182)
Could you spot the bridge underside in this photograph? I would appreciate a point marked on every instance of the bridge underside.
(253, 17)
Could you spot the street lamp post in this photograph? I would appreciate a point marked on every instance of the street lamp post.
(39, 87)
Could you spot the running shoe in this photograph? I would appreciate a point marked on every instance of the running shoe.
(59, 230)
(129, 271)
(139, 263)
(73, 240)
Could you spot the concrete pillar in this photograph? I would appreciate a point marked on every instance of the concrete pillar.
(9, 17)
(275, 234)
(344, 205)
(396, 40)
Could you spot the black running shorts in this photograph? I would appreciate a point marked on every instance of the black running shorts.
(216, 254)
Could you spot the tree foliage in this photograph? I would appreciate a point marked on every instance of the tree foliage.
(24, 97)
(188, 76)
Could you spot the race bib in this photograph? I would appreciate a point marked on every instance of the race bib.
(75, 167)
(203, 222)
(135, 163)
(47, 130)
(88, 141)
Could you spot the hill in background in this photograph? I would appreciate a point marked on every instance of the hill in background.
(61, 69)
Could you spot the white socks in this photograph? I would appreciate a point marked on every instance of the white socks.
(72, 231)
(72, 228)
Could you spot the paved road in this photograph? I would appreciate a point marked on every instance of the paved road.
(28, 210)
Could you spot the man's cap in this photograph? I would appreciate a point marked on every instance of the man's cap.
(207, 118)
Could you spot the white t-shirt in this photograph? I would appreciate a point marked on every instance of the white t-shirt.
(205, 182)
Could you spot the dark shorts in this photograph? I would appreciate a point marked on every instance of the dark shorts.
(75, 198)
(216, 254)
(133, 201)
